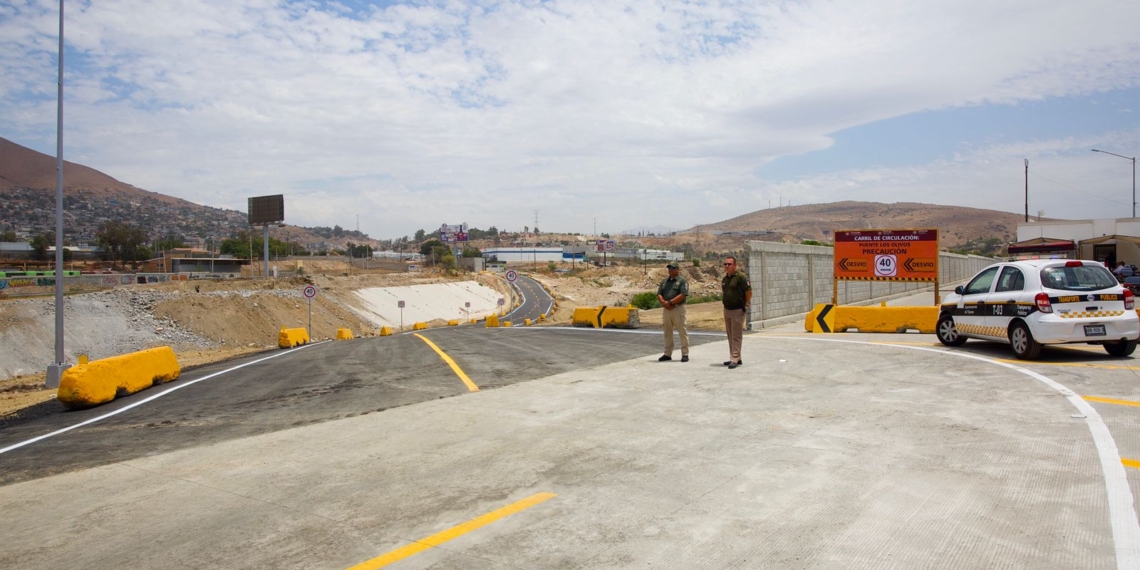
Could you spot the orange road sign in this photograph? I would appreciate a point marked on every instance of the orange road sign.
(886, 255)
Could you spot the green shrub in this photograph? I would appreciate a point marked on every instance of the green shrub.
(696, 262)
(645, 301)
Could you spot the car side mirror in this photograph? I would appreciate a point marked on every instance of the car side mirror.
(958, 290)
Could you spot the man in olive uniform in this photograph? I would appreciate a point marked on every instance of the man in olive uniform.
(671, 294)
(736, 295)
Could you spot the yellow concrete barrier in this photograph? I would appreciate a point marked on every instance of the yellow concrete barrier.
(343, 334)
(419, 326)
(505, 324)
(527, 321)
(288, 338)
(472, 321)
(100, 381)
(453, 323)
(606, 317)
(585, 317)
(541, 318)
(385, 330)
(839, 318)
(491, 321)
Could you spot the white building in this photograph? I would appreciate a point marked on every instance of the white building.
(1101, 240)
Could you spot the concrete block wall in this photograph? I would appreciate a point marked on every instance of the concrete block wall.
(790, 279)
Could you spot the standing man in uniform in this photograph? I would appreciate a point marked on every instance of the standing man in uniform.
(736, 295)
(671, 294)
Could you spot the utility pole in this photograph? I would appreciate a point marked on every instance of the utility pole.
(55, 370)
(1027, 190)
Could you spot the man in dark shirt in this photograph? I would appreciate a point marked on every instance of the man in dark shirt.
(736, 295)
(671, 294)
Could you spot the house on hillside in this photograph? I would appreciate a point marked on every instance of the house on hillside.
(1104, 240)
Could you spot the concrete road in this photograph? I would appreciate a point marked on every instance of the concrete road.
(823, 451)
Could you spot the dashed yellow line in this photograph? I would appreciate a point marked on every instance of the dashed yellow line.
(454, 367)
(1111, 401)
(453, 532)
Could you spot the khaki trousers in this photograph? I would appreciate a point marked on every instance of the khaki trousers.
(675, 319)
(734, 326)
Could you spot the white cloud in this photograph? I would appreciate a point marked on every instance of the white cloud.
(640, 113)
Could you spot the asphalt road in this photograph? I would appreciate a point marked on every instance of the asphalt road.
(318, 383)
(536, 301)
(581, 451)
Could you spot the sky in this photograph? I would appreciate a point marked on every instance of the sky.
(393, 116)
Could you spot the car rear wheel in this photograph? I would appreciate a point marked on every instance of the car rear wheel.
(1021, 340)
(1121, 347)
(948, 332)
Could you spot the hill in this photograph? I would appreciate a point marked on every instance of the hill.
(959, 227)
(27, 206)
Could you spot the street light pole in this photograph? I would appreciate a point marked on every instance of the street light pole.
(1133, 159)
(55, 370)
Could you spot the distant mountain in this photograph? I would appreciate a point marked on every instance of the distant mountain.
(958, 226)
(27, 205)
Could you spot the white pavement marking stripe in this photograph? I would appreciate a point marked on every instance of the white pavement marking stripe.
(600, 331)
(177, 386)
(1122, 512)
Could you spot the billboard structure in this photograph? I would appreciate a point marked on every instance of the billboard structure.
(265, 210)
(886, 255)
(452, 234)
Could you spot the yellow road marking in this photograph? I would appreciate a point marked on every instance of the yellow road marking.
(1130, 463)
(1111, 401)
(900, 343)
(453, 532)
(454, 367)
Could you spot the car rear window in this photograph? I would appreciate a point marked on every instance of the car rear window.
(1083, 278)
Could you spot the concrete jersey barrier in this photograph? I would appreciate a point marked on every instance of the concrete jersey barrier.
(288, 338)
(839, 318)
(100, 381)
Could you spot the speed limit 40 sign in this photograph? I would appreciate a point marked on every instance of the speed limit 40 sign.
(512, 275)
(309, 291)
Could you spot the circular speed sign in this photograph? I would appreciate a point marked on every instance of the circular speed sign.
(310, 291)
(512, 275)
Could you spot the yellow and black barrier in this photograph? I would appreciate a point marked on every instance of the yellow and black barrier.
(606, 317)
(344, 334)
(839, 318)
(100, 381)
(288, 338)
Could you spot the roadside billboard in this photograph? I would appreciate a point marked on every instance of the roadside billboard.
(886, 255)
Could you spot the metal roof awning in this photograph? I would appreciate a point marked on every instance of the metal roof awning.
(1042, 245)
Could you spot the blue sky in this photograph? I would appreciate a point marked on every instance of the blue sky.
(647, 113)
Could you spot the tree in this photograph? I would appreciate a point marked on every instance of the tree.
(122, 242)
(8, 235)
(471, 251)
(427, 246)
(420, 235)
(40, 244)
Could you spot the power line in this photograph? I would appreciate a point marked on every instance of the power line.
(1078, 190)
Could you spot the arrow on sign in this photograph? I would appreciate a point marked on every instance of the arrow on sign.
(843, 264)
(821, 319)
(918, 265)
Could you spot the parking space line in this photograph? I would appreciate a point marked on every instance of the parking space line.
(454, 367)
(1071, 364)
(453, 532)
(1111, 401)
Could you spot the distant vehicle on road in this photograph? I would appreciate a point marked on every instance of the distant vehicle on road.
(1032, 303)
(1132, 284)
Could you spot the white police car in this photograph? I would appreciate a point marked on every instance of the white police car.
(1042, 301)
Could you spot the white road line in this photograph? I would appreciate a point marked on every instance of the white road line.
(1122, 510)
(176, 386)
(596, 331)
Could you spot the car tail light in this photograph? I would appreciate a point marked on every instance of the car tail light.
(1073, 264)
(1043, 303)
(1129, 300)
